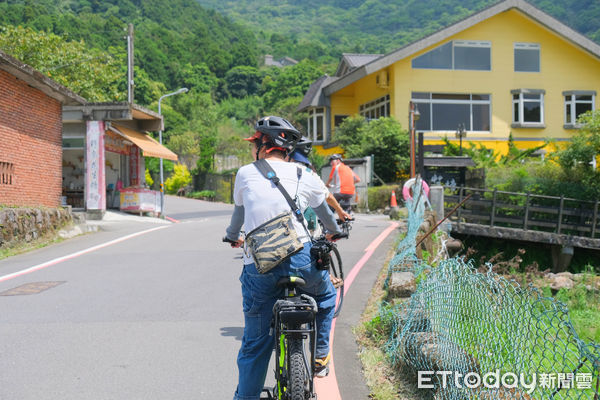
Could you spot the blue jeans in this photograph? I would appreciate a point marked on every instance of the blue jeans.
(259, 293)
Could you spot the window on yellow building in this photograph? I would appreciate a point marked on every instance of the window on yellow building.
(527, 57)
(316, 124)
(376, 109)
(446, 111)
(577, 102)
(457, 54)
(528, 108)
(338, 119)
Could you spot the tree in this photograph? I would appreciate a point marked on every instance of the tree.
(242, 81)
(585, 145)
(89, 72)
(291, 81)
(383, 138)
(579, 159)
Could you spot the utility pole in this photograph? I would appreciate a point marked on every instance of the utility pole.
(130, 83)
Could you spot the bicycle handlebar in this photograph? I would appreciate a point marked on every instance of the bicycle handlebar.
(339, 236)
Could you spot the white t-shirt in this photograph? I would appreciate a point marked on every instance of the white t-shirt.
(262, 200)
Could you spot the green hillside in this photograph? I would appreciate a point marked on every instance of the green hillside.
(168, 34)
(323, 29)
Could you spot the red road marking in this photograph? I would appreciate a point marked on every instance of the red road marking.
(327, 388)
(172, 220)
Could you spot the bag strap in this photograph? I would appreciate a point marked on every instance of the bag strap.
(265, 169)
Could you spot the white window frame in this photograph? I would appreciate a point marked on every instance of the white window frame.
(428, 102)
(573, 101)
(528, 46)
(520, 101)
(376, 109)
(313, 117)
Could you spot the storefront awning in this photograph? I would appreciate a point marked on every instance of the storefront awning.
(149, 146)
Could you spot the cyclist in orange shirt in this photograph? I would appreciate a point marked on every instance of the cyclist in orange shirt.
(343, 181)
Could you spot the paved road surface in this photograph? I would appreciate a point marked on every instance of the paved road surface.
(146, 309)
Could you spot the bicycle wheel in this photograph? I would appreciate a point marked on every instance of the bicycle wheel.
(338, 274)
(297, 374)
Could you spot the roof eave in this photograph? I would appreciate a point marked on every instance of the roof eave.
(39, 81)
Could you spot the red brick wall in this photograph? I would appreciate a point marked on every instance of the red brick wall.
(30, 145)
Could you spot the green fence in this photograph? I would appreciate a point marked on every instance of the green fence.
(508, 341)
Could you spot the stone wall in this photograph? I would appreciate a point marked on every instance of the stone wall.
(18, 225)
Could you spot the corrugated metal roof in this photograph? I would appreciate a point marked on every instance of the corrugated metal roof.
(351, 61)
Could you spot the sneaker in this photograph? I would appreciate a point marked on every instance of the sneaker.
(322, 366)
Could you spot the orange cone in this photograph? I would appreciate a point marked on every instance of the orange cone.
(393, 202)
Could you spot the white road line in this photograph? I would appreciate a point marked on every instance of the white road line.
(76, 254)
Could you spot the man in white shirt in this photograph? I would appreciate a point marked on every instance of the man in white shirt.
(257, 200)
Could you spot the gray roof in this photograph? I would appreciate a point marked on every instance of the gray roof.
(38, 80)
(537, 15)
(351, 61)
(314, 96)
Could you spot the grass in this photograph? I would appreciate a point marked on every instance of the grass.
(385, 382)
(24, 247)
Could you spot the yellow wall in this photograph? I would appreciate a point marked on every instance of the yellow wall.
(563, 66)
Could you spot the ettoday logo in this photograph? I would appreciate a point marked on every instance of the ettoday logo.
(506, 380)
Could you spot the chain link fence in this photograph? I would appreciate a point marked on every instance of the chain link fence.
(476, 335)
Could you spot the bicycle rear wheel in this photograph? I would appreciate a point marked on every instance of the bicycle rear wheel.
(297, 374)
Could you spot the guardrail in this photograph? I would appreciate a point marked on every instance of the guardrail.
(495, 208)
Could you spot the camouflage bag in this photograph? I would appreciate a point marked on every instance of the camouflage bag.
(273, 242)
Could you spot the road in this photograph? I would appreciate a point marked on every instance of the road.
(146, 309)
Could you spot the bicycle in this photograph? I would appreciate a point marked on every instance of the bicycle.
(294, 327)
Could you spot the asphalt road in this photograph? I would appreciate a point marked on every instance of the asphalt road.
(146, 309)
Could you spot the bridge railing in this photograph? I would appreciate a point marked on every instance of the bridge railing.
(561, 215)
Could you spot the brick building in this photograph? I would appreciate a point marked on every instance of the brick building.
(31, 135)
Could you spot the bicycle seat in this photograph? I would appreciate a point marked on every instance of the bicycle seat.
(293, 281)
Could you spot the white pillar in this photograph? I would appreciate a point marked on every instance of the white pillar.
(95, 181)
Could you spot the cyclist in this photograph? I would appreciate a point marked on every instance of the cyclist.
(257, 201)
(343, 181)
(300, 156)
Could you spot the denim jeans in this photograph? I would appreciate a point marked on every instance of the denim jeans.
(259, 292)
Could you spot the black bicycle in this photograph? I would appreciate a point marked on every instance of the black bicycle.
(295, 330)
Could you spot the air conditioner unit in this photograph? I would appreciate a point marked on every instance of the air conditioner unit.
(382, 79)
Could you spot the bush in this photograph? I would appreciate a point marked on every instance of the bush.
(180, 179)
(380, 196)
(203, 195)
(149, 180)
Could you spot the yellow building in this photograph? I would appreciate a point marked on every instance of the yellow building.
(510, 68)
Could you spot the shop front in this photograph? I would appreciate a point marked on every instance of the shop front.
(104, 146)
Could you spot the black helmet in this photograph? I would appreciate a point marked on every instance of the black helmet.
(335, 157)
(304, 146)
(280, 131)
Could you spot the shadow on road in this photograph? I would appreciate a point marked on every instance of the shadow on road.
(234, 331)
